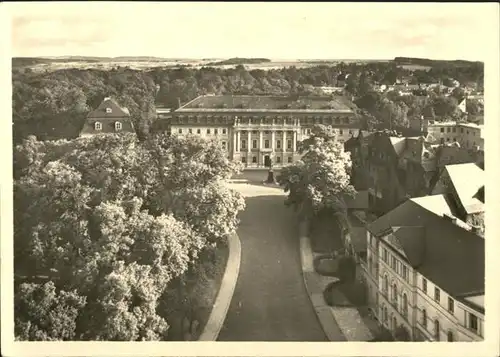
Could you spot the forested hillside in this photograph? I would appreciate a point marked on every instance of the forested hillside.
(53, 105)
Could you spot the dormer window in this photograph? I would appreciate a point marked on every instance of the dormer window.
(118, 126)
(108, 110)
(97, 126)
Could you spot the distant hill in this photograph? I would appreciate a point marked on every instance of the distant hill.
(31, 61)
(431, 62)
(236, 61)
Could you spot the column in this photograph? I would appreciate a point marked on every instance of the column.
(259, 155)
(238, 138)
(272, 140)
(248, 143)
(294, 147)
(284, 143)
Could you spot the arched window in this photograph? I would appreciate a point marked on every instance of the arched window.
(97, 126)
(386, 284)
(424, 318)
(405, 305)
(394, 323)
(451, 338)
(436, 329)
(118, 126)
(395, 294)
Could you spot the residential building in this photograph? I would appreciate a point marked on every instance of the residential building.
(425, 272)
(107, 118)
(468, 135)
(261, 130)
(393, 168)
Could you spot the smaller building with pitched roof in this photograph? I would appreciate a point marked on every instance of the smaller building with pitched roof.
(108, 118)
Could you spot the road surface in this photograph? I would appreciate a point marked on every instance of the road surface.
(270, 302)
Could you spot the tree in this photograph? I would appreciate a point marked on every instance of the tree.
(320, 179)
(43, 313)
(81, 217)
(474, 107)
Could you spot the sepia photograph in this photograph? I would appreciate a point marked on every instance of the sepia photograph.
(250, 172)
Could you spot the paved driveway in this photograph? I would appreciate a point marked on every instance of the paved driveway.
(270, 302)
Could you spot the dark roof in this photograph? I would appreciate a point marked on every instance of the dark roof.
(257, 102)
(116, 110)
(107, 120)
(450, 256)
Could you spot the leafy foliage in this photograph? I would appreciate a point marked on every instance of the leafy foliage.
(87, 216)
(42, 313)
(320, 179)
(53, 105)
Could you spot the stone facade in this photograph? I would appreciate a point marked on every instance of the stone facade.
(261, 130)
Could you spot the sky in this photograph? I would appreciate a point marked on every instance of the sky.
(303, 30)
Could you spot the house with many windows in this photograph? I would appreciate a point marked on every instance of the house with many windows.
(425, 272)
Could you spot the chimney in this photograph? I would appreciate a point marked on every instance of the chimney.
(178, 102)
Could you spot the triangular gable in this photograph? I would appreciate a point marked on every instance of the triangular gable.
(116, 110)
(394, 242)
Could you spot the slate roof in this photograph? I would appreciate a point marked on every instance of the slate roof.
(259, 102)
(447, 254)
(116, 110)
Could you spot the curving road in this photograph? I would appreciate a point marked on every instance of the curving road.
(270, 302)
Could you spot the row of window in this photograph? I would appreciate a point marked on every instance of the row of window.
(267, 132)
(455, 139)
(254, 160)
(437, 296)
(454, 130)
(198, 131)
(267, 144)
(399, 267)
(98, 125)
(393, 297)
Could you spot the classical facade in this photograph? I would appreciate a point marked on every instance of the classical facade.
(107, 118)
(425, 272)
(260, 131)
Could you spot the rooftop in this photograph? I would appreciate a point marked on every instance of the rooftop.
(268, 103)
(467, 179)
(477, 300)
(441, 250)
(109, 109)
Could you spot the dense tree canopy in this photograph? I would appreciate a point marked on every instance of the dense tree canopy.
(53, 105)
(88, 216)
(321, 179)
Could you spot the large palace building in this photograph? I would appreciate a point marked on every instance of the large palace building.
(260, 130)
